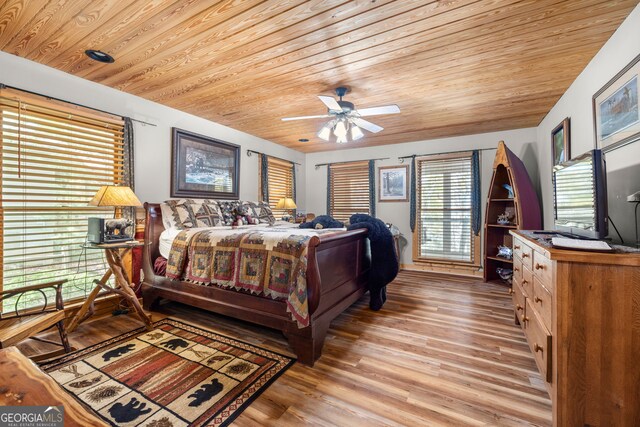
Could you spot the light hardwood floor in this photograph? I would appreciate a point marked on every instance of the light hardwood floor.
(443, 351)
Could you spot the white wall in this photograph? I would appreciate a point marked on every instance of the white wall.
(521, 141)
(152, 144)
(623, 165)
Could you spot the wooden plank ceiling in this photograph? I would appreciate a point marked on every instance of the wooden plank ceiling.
(454, 67)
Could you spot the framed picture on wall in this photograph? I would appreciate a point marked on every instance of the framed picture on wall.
(204, 167)
(615, 109)
(560, 142)
(393, 184)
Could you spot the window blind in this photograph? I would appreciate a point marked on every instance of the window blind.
(349, 189)
(576, 196)
(444, 208)
(280, 181)
(54, 159)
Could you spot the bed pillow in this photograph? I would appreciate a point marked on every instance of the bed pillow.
(207, 214)
(178, 215)
(263, 212)
(167, 216)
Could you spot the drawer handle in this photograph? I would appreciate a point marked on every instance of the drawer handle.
(510, 291)
(538, 348)
(516, 246)
(518, 307)
(537, 299)
(524, 319)
(524, 255)
(539, 266)
(524, 281)
(516, 269)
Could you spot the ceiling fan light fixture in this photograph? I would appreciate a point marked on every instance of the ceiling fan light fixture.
(325, 132)
(356, 133)
(346, 123)
(340, 131)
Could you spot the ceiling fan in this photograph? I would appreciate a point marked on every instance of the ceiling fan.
(346, 119)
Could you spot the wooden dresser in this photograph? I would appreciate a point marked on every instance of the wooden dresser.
(580, 312)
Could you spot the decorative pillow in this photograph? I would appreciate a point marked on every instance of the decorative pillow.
(208, 215)
(167, 217)
(181, 215)
(263, 212)
(227, 208)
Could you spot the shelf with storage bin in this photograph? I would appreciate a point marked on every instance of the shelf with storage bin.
(523, 209)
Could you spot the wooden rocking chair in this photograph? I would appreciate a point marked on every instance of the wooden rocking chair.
(22, 324)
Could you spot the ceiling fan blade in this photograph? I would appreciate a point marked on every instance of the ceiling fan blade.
(374, 111)
(371, 127)
(322, 116)
(331, 103)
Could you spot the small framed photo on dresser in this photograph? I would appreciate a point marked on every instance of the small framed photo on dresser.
(615, 109)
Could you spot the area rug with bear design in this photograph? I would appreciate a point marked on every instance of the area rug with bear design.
(175, 375)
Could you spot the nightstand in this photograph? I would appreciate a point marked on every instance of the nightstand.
(114, 252)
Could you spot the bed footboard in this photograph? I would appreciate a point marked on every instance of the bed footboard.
(337, 273)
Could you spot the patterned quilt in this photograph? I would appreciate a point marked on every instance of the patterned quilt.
(268, 261)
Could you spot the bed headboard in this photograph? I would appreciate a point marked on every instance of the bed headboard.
(152, 230)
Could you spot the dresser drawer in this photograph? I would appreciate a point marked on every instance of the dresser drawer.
(519, 303)
(527, 281)
(524, 252)
(543, 270)
(542, 302)
(539, 340)
(517, 270)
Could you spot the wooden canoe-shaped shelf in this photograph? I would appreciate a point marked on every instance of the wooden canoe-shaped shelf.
(524, 208)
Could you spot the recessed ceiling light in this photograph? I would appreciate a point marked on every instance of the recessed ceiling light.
(99, 56)
(303, 140)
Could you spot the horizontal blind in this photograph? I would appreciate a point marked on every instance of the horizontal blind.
(280, 183)
(54, 159)
(444, 208)
(349, 189)
(576, 196)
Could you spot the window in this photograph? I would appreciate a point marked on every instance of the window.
(54, 159)
(444, 204)
(280, 183)
(349, 190)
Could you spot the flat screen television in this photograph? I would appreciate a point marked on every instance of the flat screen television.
(580, 196)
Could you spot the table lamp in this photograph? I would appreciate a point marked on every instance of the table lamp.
(287, 204)
(117, 196)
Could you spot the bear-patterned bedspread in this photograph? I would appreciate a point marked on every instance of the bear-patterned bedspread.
(263, 260)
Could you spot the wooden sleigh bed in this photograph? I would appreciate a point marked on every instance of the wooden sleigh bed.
(337, 272)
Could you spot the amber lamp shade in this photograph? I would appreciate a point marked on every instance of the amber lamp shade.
(286, 203)
(115, 195)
